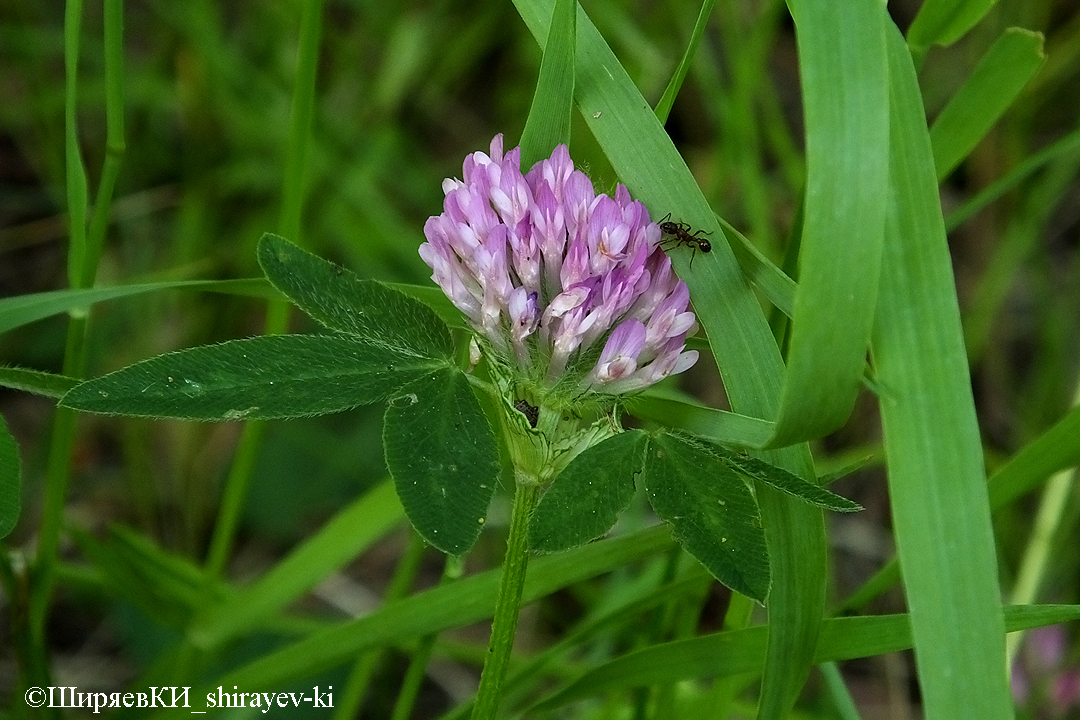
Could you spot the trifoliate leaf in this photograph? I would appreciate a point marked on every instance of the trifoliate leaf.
(277, 376)
(340, 300)
(443, 456)
(711, 512)
(785, 481)
(587, 497)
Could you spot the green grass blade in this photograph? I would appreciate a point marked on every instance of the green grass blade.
(548, 124)
(748, 358)
(943, 22)
(165, 586)
(115, 145)
(985, 96)
(774, 284)
(341, 539)
(75, 171)
(1056, 449)
(663, 107)
(25, 309)
(293, 189)
(466, 601)
(838, 692)
(940, 509)
(845, 97)
(1051, 452)
(716, 425)
(1017, 245)
(741, 651)
(1060, 149)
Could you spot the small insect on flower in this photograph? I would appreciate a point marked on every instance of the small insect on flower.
(683, 234)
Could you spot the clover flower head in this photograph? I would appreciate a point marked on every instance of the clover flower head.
(549, 272)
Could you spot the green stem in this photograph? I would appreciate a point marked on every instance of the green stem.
(414, 675)
(83, 255)
(356, 686)
(508, 602)
(115, 144)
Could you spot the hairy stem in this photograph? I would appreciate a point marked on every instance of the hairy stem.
(508, 603)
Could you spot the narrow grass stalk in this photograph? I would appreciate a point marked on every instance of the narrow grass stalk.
(115, 144)
(841, 697)
(83, 256)
(1053, 505)
(508, 602)
(277, 315)
(414, 676)
(364, 669)
(663, 107)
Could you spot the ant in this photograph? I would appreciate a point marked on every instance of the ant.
(683, 234)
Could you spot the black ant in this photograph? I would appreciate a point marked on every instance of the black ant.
(682, 234)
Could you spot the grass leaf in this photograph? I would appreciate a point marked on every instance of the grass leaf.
(937, 485)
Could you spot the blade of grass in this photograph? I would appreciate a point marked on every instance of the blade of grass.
(845, 98)
(356, 687)
(742, 651)
(80, 265)
(1053, 505)
(749, 360)
(115, 144)
(1054, 450)
(340, 540)
(663, 107)
(943, 22)
(1004, 70)
(466, 601)
(293, 192)
(25, 309)
(548, 124)
(838, 692)
(1014, 249)
(940, 509)
(718, 425)
(1051, 452)
(774, 284)
(1063, 147)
